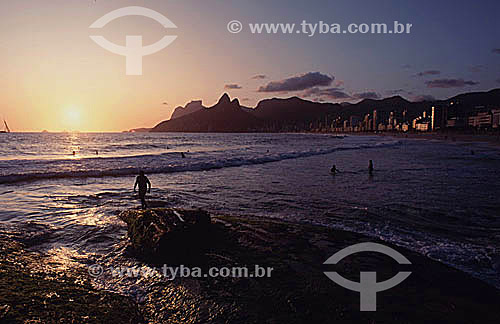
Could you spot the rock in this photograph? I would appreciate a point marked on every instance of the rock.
(495, 263)
(4, 310)
(166, 234)
(32, 290)
(191, 107)
(224, 99)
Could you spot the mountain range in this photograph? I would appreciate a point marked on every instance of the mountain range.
(296, 114)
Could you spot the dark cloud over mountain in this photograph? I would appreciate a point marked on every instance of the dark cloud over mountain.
(423, 98)
(429, 72)
(366, 95)
(298, 83)
(330, 93)
(476, 68)
(232, 86)
(449, 83)
(396, 91)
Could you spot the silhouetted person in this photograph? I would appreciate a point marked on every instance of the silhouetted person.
(96, 152)
(144, 185)
(183, 155)
(333, 170)
(74, 153)
(370, 167)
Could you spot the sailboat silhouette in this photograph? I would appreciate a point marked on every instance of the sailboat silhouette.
(7, 129)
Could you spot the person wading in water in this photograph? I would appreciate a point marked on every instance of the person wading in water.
(144, 185)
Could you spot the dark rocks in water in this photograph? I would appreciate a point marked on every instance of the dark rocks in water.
(31, 293)
(165, 234)
(495, 263)
(298, 291)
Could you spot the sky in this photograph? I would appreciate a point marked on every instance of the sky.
(54, 77)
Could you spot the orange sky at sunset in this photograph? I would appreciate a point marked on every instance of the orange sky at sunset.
(55, 78)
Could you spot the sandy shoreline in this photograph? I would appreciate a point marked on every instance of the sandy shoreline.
(452, 138)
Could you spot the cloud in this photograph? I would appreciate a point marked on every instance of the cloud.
(330, 93)
(423, 98)
(496, 50)
(259, 77)
(232, 86)
(449, 83)
(396, 91)
(429, 72)
(406, 66)
(298, 83)
(246, 99)
(498, 80)
(476, 68)
(366, 95)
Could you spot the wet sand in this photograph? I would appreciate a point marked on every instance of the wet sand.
(491, 140)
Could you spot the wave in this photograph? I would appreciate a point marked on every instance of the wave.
(188, 164)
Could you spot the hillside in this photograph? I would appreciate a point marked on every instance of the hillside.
(225, 116)
(191, 107)
(296, 114)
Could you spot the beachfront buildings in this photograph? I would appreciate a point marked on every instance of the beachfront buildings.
(436, 118)
(484, 119)
(495, 120)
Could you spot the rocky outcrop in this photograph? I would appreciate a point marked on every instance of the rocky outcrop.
(191, 107)
(33, 290)
(167, 234)
(226, 116)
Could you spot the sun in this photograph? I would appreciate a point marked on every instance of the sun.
(72, 118)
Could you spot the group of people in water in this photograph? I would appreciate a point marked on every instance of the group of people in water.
(96, 152)
(334, 169)
(145, 185)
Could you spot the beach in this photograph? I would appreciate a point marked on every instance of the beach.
(275, 198)
(451, 137)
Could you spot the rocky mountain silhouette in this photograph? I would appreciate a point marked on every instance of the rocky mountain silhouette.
(225, 116)
(296, 114)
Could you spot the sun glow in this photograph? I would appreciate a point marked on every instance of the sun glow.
(72, 118)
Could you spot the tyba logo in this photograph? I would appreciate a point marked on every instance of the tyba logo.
(368, 285)
(134, 51)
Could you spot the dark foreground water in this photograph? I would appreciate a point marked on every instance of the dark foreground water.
(432, 197)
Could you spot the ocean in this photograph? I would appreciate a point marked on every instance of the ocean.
(432, 197)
